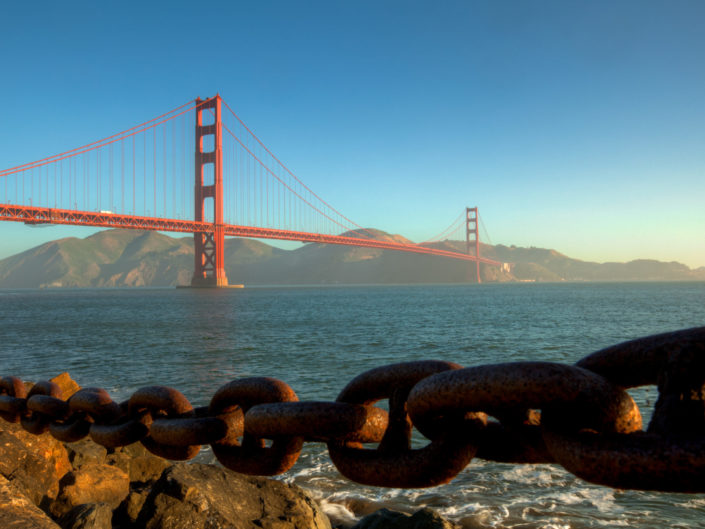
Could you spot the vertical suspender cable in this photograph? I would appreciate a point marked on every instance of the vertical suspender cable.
(186, 179)
(110, 177)
(164, 169)
(122, 176)
(98, 169)
(87, 163)
(154, 164)
(173, 171)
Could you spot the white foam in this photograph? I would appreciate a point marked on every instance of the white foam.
(613, 523)
(305, 472)
(601, 498)
(539, 475)
(695, 503)
(455, 511)
(339, 514)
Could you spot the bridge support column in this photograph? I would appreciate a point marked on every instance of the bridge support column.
(209, 259)
(472, 237)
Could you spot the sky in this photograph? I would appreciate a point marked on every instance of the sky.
(577, 126)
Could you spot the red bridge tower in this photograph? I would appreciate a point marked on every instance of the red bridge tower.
(209, 262)
(472, 237)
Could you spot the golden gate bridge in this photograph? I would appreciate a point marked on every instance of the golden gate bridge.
(196, 169)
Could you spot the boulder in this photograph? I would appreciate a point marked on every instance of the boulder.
(34, 463)
(18, 512)
(147, 469)
(91, 483)
(128, 512)
(138, 463)
(67, 384)
(197, 496)
(85, 451)
(386, 519)
(88, 516)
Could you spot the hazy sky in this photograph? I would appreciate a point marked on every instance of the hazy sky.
(578, 126)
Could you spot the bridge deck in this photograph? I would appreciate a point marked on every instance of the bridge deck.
(104, 219)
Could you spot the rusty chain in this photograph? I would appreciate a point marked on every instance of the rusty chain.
(578, 416)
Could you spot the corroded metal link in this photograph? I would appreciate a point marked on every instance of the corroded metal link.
(13, 386)
(11, 408)
(35, 422)
(119, 433)
(639, 362)
(50, 406)
(13, 400)
(73, 429)
(163, 402)
(166, 399)
(191, 431)
(251, 456)
(394, 463)
(671, 456)
(45, 387)
(87, 406)
(435, 464)
(96, 403)
(374, 385)
(639, 461)
(512, 444)
(12, 405)
(578, 398)
(676, 362)
(317, 421)
(246, 392)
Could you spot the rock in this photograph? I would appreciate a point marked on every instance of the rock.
(34, 463)
(128, 512)
(67, 384)
(147, 469)
(92, 483)
(88, 516)
(138, 463)
(135, 450)
(18, 512)
(84, 452)
(386, 519)
(121, 460)
(196, 496)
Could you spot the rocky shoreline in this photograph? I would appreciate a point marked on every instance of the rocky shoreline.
(47, 484)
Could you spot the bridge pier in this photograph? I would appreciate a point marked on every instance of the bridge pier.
(209, 258)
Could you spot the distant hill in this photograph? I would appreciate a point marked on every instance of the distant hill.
(130, 258)
(549, 265)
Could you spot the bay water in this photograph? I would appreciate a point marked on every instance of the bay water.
(318, 338)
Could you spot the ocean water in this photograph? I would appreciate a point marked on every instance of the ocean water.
(317, 339)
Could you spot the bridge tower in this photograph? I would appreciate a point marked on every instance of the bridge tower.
(209, 259)
(472, 236)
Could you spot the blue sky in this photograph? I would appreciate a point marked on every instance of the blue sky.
(578, 126)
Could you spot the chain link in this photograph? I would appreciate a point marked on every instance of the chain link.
(577, 416)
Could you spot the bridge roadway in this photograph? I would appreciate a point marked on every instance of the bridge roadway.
(38, 215)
